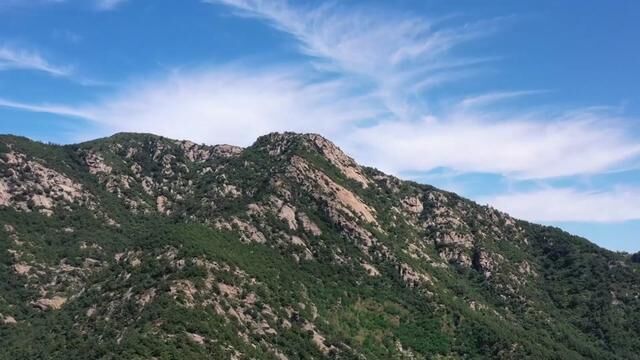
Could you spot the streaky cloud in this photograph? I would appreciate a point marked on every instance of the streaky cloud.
(571, 205)
(226, 104)
(522, 145)
(16, 58)
(394, 51)
(54, 109)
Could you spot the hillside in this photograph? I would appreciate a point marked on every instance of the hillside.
(142, 247)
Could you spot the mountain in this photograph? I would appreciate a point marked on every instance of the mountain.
(141, 247)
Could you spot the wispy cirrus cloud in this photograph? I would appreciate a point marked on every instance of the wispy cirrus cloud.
(571, 205)
(13, 57)
(56, 109)
(400, 55)
(231, 104)
(375, 43)
(100, 5)
(237, 103)
(404, 57)
(491, 98)
(522, 145)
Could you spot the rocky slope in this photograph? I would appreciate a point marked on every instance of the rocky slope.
(138, 246)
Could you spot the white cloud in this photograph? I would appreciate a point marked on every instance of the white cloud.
(570, 205)
(106, 5)
(12, 57)
(404, 56)
(400, 54)
(101, 5)
(492, 98)
(523, 146)
(61, 110)
(237, 104)
(228, 104)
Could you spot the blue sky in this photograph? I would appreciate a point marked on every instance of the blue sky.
(532, 107)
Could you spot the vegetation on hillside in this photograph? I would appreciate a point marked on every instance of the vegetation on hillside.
(140, 247)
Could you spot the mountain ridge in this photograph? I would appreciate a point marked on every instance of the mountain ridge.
(271, 241)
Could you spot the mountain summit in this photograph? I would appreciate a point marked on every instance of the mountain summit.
(141, 247)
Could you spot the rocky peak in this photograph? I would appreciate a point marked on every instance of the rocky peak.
(277, 144)
(283, 143)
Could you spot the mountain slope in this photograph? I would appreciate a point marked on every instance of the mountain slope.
(139, 246)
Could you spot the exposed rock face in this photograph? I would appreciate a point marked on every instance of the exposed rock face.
(339, 197)
(317, 338)
(161, 204)
(145, 298)
(344, 163)
(413, 205)
(227, 151)
(485, 263)
(198, 339)
(96, 164)
(475, 306)
(308, 225)
(22, 269)
(455, 239)
(8, 320)
(230, 190)
(249, 232)
(54, 303)
(195, 152)
(371, 270)
(28, 185)
(288, 214)
(412, 277)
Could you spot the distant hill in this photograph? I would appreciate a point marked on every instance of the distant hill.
(142, 247)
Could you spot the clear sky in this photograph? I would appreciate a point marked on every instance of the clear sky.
(530, 106)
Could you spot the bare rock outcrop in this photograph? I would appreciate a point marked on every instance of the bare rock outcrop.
(28, 184)
(339, 159)
(96, 164)
(227, 151)
(54, 303)
(323, 186)
(308, 225)
(8, 320)
(288, 214)
(413, 205)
